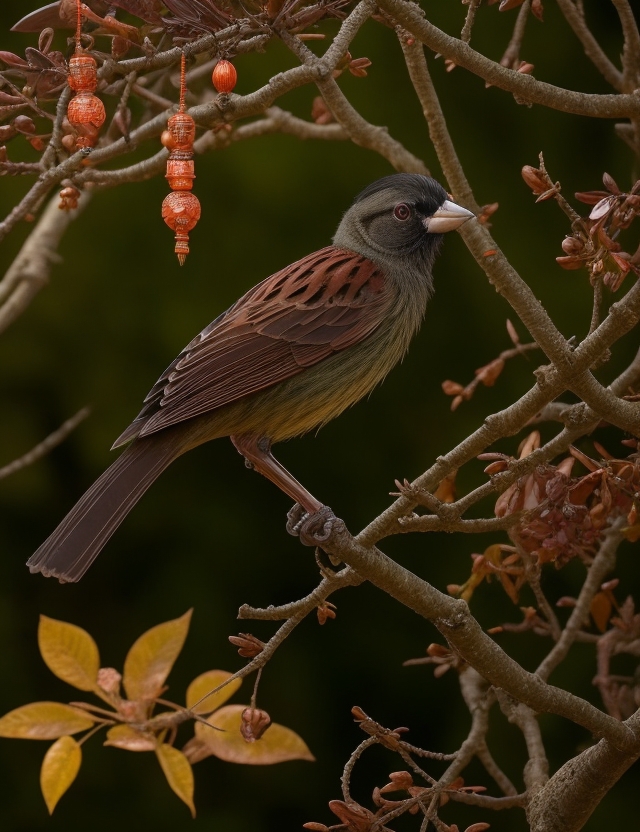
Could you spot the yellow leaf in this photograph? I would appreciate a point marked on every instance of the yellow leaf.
(69, 652)
(632, 533)
(277, 744)
(178, 772)
(44, 721)
(59, 769)
(124, 736)
(206, 682)
(151, 658)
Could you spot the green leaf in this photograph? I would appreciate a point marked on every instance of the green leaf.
(69, 652)
(60, 767)
(151, 658)
(277, 745)
(178, 772)
(197, 698)
(44, 721)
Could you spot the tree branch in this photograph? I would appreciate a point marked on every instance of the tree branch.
(527, 88)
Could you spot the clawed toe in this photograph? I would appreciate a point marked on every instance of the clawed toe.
(295, 517)
(312, 529)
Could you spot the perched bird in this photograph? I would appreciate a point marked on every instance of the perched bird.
(295, 351)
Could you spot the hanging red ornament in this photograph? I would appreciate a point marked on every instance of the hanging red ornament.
(224, 76)
(180, 209)
(86, 112)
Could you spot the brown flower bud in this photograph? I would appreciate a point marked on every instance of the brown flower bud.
(248, 646)
(254, 722)
(451, 388)
(590, 197)
(487, 211)
(496, 467)
(572, 245)
(325, 611)
(358, 67)
(534, 178)
(69, 142)
(24, 124)
(537, 9)
(438, 651)
(109, 680)
(566, 601)
(569, 263)
(610, 183)
(488, 374)
(398, 780)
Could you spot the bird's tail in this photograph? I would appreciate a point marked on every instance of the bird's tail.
(71, 549)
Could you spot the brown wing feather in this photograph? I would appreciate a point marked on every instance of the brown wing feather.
(299, 316)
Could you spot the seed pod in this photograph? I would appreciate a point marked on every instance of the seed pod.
(224, 76)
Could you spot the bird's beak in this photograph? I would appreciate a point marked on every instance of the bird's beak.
(448, 217)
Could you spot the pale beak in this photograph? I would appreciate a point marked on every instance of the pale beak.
(448, 217)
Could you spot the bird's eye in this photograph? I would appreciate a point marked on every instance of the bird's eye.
(402, 211)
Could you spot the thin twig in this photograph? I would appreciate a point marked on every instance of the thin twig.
(42, 448)
(602, 564)
(511, 57)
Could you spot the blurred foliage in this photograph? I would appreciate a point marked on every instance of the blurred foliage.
(210, 534)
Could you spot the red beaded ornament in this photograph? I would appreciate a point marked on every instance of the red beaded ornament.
(85, 112)
(181, 208)
(224, 76)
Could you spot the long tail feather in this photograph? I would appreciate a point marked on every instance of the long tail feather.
(71, 549)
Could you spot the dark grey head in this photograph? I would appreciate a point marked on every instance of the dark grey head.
(400, 218)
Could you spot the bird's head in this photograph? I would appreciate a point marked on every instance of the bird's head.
(402, 216)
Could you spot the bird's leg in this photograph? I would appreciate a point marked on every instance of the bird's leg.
(308, 519)
(257, 452)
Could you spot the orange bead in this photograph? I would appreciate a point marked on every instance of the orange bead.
(182, 129)
(86, 114)
(167, 140)
(180, 174)
(224, 76)
(181, 212)
(83, 73)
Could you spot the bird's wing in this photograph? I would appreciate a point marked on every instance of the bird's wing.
(299, 316)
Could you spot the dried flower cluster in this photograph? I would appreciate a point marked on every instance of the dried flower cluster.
(564, 516)
(594, 242)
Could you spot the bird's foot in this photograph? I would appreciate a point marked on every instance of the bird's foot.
(312, 528)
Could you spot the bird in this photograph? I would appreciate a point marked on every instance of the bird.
(287, 357)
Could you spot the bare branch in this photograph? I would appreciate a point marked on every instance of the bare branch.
(575, 18)
(30, 270)
(602, 564)
(527, 88)
(42, 448)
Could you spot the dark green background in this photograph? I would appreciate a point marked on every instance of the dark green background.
(210, 534)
